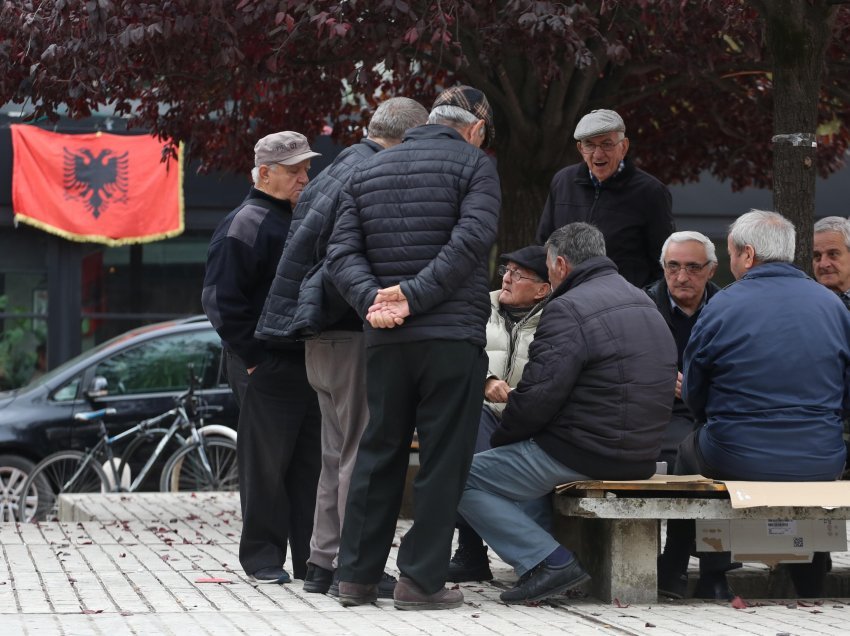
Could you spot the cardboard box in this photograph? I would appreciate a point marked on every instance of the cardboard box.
(772, 541)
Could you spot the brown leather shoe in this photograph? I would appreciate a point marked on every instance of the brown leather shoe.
(357, 593)
(409, 596)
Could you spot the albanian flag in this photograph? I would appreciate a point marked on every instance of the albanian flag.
(110, 189)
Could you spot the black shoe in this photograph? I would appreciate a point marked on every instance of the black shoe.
(271, 575)
(317, 580)
(714, 587)
(545, 582)
(469, 564)
(386, 586)
(672, 585)
(333, 590)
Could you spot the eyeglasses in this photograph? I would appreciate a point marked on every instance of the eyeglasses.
(673, 267)
(515, 275)
(588, 147)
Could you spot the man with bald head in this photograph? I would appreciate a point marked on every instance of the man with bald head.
(632, 208)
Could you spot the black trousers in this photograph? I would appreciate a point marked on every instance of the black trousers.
(435, 388)
(279, 453)
(808, 578)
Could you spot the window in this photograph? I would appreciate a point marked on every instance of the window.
(161, 364)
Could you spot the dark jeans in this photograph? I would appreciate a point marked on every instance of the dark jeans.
(279, 453)
(434, 387)
(808, 578)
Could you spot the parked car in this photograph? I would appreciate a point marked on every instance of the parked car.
(137, 373)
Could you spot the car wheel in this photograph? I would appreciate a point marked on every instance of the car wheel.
(13, 474)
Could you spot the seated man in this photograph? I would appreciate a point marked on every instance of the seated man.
(514, 314)
(832, 256)
(593, 402)
(767, 369)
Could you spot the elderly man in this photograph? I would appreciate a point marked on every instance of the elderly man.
(832, 256)
(593, 402)
(769, 387)
(279, 443)
(689, 262)
(632, 208)
(409, 253)
(515, 311)
(303, 304)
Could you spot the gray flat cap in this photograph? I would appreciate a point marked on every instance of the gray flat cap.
(599, 122)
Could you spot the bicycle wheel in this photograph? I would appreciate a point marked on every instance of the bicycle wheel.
(185, 469)
(138, 451)
(63, 472)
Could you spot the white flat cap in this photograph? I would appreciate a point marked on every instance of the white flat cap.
(599, 122)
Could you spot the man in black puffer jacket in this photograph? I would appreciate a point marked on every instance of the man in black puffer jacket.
(593, 402)
(302, 304)
(410, 253)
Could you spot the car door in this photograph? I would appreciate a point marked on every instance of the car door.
(143, 378)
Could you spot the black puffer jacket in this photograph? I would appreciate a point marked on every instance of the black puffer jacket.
(422, 214)
(632, 209)
(596, 392)
(300, 304)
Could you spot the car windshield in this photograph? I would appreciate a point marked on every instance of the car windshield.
(45, 378)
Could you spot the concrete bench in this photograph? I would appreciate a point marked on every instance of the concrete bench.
(615, 527)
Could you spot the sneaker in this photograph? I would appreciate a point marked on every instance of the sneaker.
(317, 580)
(386, 586)
(469, 564)
(409, 596)
(545, 582)
(271, 574)
(351, 594)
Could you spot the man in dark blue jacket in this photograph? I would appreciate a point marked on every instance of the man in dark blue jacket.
(278, 442)
(593, 402)
(767, 369)
(410, 253)
(302, 303)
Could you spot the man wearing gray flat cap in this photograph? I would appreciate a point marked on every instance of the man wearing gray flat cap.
(279, 443)
(631, 208)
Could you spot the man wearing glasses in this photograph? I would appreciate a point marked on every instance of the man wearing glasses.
(631, 208)
(515, 310)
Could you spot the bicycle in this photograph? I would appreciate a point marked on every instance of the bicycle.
(205, 460)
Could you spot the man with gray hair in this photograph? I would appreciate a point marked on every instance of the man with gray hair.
(632, 208)
(767, 369)
(831, 256)
(409, 253)
(593, 402)
(278, 443)
(303, 304)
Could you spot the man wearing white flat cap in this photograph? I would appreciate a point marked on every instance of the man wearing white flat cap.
(633, 209)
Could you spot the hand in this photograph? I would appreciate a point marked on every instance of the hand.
(496, 390)
(383, 318)
(679, 385)
(251, 370)
(390, 294)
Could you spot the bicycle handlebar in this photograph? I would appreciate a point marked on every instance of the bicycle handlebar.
(94, 415)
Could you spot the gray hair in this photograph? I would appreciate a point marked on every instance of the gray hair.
(394, 116)
(770, 235)
(684, 237)
(836, 224)
(453, 116)
(576, 243)
(255, 171)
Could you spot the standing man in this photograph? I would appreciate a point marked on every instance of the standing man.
(278, 446)
(832, 256)
(593, 402)
(632, 208)
(302, 303)
(767, 369)
(410, 254)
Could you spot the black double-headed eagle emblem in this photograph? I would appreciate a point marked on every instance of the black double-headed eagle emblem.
(99, 180)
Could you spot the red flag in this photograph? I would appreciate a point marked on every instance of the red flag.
(111, 189)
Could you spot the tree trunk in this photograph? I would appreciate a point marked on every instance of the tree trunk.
(797, 33)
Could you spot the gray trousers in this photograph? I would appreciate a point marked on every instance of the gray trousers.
(336, 369)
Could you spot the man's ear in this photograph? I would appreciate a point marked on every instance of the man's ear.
(544, 290)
